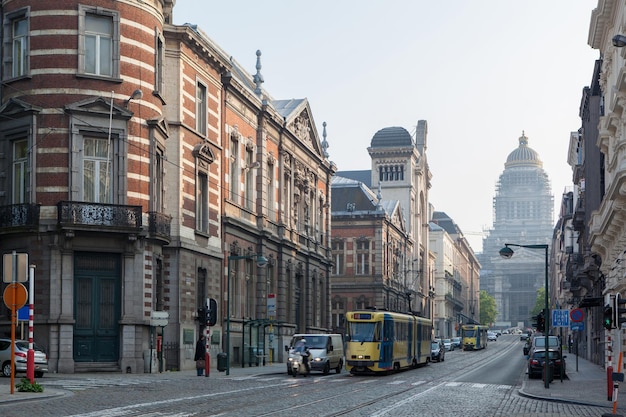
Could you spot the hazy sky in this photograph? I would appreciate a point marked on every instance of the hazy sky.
(479, 72)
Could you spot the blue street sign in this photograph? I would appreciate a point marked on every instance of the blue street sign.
(560, 318)
(580, 325)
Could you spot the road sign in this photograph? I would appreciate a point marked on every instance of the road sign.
(15, 296)
(271, 304)
(20, 270)
(577, 315)
(579, 325)
(560, 318)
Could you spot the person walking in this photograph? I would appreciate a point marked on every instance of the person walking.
(200, 356)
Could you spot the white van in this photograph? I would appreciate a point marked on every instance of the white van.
(326, 351)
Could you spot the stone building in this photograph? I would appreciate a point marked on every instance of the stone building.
(599, 216)
(523, 215)
(456, 276)
(399, 172)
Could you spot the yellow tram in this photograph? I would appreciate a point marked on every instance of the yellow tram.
(381, 341)
(474, 336)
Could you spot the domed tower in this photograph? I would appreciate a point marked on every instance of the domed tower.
(400, 171)
(523, 214)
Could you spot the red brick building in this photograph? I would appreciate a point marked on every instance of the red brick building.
(138, 157)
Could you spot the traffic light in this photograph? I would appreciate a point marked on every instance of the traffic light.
(541, 321)
(535, 322)
(619, 311)
(607, 320)
(211, 312)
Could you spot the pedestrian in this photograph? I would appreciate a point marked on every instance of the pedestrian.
(200, 356)
(306, 360)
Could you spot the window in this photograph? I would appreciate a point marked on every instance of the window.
(16, 44)
(20, 46)
(99, 39)
(158, 188)
(337, 248)
(159, 291)
(20, 171)
(97, 171)
(271, 212)
(201, 290)
(234, 164)
(204, 158)
(98, 45)
(201, 108)
(391, 173)
(362, 257)
(202, 203)
(158, 63)
(249, 178)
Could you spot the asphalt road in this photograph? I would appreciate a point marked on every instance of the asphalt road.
(481, 383)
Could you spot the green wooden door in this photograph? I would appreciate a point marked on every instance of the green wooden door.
(96, 307)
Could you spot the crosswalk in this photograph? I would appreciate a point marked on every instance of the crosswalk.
(75, 384)
(406, 382)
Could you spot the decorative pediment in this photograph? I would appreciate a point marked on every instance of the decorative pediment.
(98, 106)
(15, 107)
(203, 152)
(161, 125)
(299, 121)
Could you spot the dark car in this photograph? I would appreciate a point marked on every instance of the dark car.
(537, 360)
(437, 352)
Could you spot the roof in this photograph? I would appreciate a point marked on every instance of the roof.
(364, 176)
(523, 155)
(392, 136)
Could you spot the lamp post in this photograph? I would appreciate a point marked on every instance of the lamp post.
(261, 261)
(506, 252)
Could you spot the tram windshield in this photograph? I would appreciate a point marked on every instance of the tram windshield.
(364, 332)
(469, 333)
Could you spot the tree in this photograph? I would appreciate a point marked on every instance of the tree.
(540, 302)
(488, 308)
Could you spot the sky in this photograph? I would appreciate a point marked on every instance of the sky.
(480, 72)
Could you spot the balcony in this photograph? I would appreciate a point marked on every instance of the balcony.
(575, 262)
(19, 217)
(159, 226)
(578, 220)
(458, 304)
(102, 217)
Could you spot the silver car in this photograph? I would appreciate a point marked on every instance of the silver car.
(21, 354)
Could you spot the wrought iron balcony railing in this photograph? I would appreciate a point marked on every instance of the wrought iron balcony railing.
(159, 225)
(97, 215)
(19, 216)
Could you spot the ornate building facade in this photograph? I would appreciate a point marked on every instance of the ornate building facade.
(399, 171)
(143, 170)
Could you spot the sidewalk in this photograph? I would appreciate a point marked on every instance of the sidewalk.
(586, 386)
(49, 392)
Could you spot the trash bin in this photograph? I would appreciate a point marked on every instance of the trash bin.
(222, 361)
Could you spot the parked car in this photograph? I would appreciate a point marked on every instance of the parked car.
(491, 337)
(537, 359)
(21, 352)
(437, 352)
(457, 342)
(540, 342)
(447, 344)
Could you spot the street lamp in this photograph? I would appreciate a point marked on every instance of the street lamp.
(261, 261)
(506, 252)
